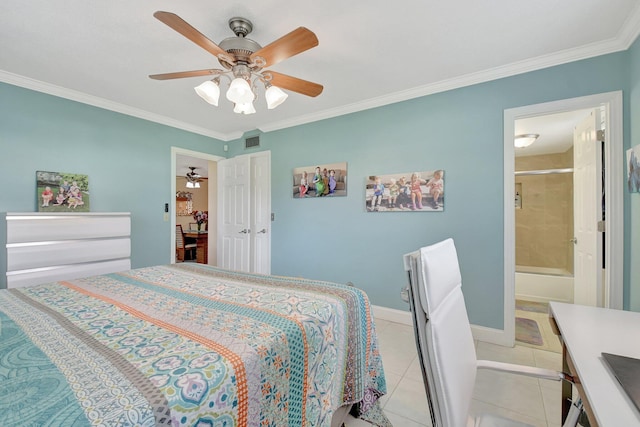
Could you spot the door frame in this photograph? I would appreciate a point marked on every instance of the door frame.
(175, 151)
(614, 237)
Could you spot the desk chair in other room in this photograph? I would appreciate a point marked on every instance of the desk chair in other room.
(443, 338)
(183, 248)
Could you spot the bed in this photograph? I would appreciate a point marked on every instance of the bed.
(188, 344)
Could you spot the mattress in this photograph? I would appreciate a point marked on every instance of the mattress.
(188, 345)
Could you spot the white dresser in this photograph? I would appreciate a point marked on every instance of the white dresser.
(44, 247)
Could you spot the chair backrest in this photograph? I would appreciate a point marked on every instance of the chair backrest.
(179, 237)
(443, 334)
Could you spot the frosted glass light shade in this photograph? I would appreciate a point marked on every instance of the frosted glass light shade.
(274, 96)
(521, 141)
(245, 108)
(239, 91)
(209, 91)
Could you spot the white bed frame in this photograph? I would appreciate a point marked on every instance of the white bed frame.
(42, 247)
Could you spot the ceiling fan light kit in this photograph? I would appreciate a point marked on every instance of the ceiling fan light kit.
(209, 91)
(274, 96)
(244, 61)
(193, 178)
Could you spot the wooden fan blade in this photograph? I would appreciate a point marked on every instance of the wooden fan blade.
(181, 26)
(183, 74)
(295, 84)
(291, 44)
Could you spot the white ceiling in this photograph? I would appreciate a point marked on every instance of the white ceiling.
(555, 130)
(370, 53)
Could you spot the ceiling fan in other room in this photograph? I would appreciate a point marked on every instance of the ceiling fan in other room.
(244, 62)
(193, 178)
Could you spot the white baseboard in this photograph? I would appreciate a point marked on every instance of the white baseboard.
(480, 333)
(392, 315)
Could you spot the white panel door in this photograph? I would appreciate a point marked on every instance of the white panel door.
(261, 213)
(587, 187)
(233, 213)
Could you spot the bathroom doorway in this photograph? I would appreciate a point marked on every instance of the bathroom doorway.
(527, 189)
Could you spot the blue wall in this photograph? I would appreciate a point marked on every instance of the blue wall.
(128, 161)
(634, 230)
(460, 131)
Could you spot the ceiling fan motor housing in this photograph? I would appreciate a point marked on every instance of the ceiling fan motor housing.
(240, 47)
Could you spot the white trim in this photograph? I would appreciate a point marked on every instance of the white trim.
(481, 333)
(520, 67)
(492, 336)
(622, 41)
(172, 203)
(392, 315)
(614, 243)
(73, 95)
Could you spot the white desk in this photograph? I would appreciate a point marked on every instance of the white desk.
(586, 333)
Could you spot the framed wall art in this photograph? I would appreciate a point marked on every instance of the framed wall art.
(405, 192)
(328, 180)
(62, 192)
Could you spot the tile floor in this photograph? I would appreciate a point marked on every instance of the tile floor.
(529, 400)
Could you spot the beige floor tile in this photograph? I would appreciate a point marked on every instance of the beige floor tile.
(354, 422)
(536, 402)
(512, 392)
(479, 407)
(392, 383)
(547, 359)
(414, 371)
(397, 347)
(400, 421)
(409, 400)
(552, 405)
(518, 354)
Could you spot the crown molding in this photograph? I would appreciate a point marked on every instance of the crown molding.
(73, 95)
(626, 36)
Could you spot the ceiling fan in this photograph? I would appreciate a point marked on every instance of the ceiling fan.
(244, 61)
(193, 178)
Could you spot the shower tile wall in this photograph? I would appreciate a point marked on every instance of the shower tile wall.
(544, 224)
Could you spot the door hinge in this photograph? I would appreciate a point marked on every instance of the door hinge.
(601, 226)
(600, 135)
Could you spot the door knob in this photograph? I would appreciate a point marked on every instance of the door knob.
(245, 231)
(263, 231)
(574, 240)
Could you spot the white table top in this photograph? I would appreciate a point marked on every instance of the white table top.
(589, 331)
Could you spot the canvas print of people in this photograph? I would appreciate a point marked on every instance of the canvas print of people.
(633, 169)
(405, 192)
(328, 180)
(62, 192)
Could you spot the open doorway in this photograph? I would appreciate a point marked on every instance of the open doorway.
(611, 106)
(204, 197)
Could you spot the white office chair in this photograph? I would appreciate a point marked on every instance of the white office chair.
(444, 341)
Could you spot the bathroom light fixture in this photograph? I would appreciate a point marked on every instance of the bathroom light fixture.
(525, 140)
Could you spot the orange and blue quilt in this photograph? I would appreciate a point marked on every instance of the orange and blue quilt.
(187, 345)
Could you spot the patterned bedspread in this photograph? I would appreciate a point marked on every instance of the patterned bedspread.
(188, 345)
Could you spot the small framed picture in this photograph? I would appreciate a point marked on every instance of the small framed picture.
(62, 192)
(405, 192)
(328, 180)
